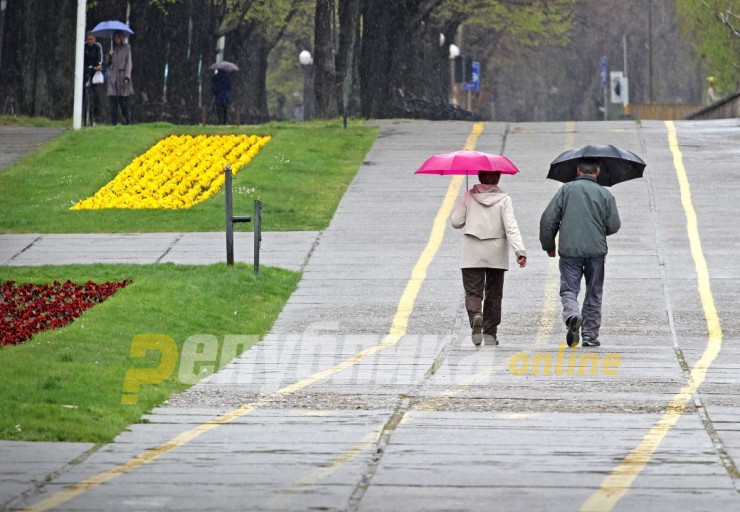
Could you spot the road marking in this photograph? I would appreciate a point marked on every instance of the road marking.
(343, 458)
(616, 485)
(397, 331)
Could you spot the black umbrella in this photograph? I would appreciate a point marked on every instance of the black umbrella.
(617, 165)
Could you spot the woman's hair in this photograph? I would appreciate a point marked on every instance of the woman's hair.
(492, 177)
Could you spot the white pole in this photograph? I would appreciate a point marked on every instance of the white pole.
(79, 65)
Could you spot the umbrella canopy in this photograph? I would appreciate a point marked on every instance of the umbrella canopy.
(467, 163)
(107, 28)
(617, 165)
(224, 65)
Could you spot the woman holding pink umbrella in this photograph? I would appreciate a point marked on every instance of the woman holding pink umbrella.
(486, 216)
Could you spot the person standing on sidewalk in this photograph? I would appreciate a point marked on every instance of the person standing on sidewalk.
(487, 216)
(119, 78)
(584, 213)
(93, 63)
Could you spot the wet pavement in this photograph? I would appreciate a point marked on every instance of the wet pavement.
(367, 394)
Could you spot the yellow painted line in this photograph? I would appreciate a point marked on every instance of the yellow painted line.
(397, 331)
(143, 458)
(616, 485)
(343, 458)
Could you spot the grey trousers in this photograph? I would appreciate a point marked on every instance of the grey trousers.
(571, 272)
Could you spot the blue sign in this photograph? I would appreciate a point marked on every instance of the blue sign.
(604, 67)
(473, 85)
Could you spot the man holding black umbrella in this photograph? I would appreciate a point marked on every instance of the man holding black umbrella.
(584, 213)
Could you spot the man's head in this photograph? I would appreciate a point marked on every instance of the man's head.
(488, 177)
(589, 166)
(90, 39)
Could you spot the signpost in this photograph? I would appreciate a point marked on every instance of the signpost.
(619, 87)
(474, 83)
(604, 64)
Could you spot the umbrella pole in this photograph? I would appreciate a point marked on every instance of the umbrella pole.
(467, 185)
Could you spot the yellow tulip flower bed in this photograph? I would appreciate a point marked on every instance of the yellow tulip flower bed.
(177, 172)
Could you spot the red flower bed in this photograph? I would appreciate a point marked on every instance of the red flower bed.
(30, 308)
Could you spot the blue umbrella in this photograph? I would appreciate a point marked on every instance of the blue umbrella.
(107, 28)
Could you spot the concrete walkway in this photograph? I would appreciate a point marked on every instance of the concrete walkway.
(279, 249)
(18, 141)
(368, 394)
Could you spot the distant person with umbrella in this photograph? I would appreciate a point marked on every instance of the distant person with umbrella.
(119, 78)
(221, 87)
(584, 213)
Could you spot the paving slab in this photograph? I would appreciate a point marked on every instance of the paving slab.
(288, 249)
(19, 141)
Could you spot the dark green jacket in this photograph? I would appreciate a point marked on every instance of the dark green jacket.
(585, 213)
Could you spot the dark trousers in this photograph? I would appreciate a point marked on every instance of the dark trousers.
(122, 102)
(572, 270)
(484, 288)
(221, 109)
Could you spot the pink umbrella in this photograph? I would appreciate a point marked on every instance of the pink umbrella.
(466, 162)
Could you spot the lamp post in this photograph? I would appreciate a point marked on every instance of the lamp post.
(79, 65)
(454, 53)
(306, 61)
(3, 6)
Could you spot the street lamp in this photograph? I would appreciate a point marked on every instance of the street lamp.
(306, 61)
(454, 53)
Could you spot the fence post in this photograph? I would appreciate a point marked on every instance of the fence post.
(229, 218)
(257, 235)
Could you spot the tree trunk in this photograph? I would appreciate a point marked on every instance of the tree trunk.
(380, 31)
(401, 59)
(149, 55)
(248, 48)
(325, 74)
(45, 65)
(348, 57)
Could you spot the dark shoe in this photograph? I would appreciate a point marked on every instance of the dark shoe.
(574, 330)
(588, 341)
(490, 339)
(477, 325)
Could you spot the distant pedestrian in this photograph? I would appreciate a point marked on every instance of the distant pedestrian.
(487, 217)
(584, 213)
(93, 63)
(221, 89)
(119, 78)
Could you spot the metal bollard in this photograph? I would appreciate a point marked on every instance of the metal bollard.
(257, 235)
(231, 219)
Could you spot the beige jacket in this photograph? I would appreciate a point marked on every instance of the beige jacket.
(120, 69)
(487, 216)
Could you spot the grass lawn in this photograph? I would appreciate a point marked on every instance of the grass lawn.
(66, 384)
(300, 176)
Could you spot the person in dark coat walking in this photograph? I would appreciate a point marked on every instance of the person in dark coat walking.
(221, 89)
(93, 63)
(584, 213)
(119, 78)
